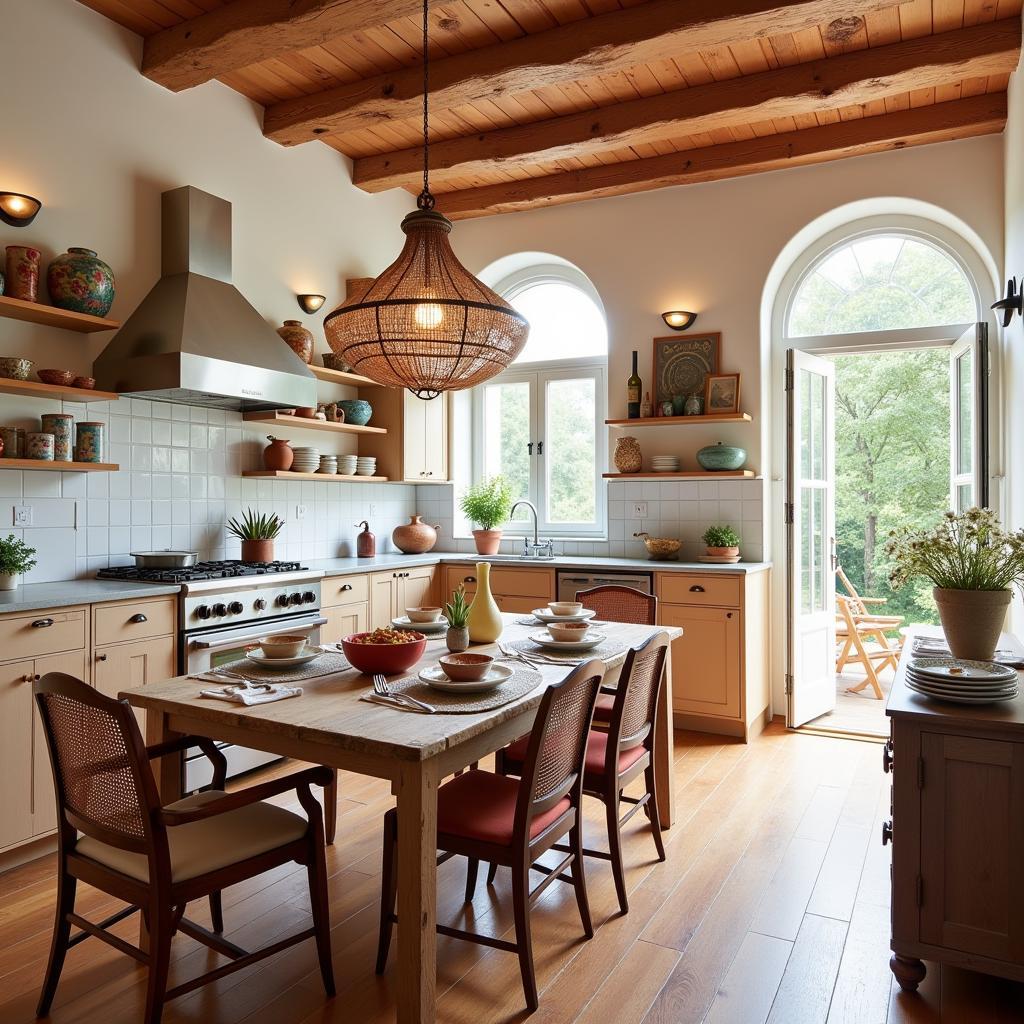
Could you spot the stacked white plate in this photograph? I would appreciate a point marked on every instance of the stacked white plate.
(587, 642)
(962, 682)
(328, 464)
(545, 615)
(307, 460)
(366, 466)
(347, 465)
(665, 463)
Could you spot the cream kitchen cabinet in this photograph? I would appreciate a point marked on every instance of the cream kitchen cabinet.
(345, 604)
(117, 667)
(415, 448)
(516, 589)
(720, 666)
(392, 592)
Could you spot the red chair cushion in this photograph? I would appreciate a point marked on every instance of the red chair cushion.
(597, 746)
(603, 708)
(482, 806)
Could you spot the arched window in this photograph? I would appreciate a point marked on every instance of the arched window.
(540, 423)
(877, 282)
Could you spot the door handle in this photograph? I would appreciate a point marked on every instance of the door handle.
(42, 623)
(101, 657)
(696, 589)
(886, 833)
(139, 617)
(833, 557)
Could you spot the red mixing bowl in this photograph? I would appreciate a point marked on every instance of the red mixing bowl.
(387, 659)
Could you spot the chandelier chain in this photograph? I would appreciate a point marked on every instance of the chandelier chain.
(425, 201)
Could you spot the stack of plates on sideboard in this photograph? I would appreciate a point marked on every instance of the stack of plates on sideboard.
(960, 681)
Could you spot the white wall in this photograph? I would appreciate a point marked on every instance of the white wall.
(98, 143)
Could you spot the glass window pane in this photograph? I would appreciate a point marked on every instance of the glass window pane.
(805, 424)
(565, 322)
(964, 497)
(570, 451)
(817, 426)
(806, 550)
(965, 408)
(506, 434)
(883, 282)
(818, 549)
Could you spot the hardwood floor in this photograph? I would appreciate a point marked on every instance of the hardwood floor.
(772, 906)
(859, 713)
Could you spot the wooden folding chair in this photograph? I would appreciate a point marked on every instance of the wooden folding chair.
(854, 637)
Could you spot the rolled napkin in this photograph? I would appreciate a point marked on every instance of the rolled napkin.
(250, 694)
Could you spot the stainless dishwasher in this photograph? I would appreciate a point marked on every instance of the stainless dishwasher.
(570, 582)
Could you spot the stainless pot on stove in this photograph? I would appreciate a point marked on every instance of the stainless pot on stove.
(166, 559)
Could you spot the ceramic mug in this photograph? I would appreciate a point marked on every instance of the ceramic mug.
(39, 445)
(62, 426)
(89, 442)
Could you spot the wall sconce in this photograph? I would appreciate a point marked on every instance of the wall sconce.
(1012, 303)
(310, 303)
(679, 319)
(18, 210)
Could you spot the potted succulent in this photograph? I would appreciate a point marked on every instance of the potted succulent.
(488, 504)
(456, 611)
(16, 557)
(257, 533)
(972, 564)
(722, 542)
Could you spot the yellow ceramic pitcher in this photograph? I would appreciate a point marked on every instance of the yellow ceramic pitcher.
(484, 614)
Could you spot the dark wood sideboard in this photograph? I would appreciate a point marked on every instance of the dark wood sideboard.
(957, 833)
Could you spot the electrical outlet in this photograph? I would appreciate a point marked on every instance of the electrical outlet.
(639, 509)
(372, 510)
(300, 511)
(22, 515)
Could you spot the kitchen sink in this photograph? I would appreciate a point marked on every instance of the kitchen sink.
(517, 558)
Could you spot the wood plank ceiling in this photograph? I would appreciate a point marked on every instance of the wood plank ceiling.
(538, 102)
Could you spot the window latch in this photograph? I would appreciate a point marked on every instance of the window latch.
(529, 447)
(540, 447)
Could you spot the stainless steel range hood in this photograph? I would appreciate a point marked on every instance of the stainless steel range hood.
(194, 339)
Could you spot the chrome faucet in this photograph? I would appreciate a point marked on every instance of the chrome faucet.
(534, 550)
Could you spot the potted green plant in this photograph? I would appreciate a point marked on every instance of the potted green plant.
(16, 557)
(456, 611)
(722, 542)
(972, 563)
(488, 504)
(257, 533)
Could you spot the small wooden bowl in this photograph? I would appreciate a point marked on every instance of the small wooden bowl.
(85, 383)
(567, 632)
(62, 378)
(465, 668)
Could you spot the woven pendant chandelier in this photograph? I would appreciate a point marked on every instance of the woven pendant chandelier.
(427, 324)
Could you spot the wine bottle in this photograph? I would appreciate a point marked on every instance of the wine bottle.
(633, 388)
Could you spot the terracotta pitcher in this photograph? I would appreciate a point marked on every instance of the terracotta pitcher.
(278, 455)
(415, 537)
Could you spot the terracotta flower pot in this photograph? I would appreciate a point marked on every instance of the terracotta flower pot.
(278, 455)
(723, 552)
(972, 620)
(487, 541)
(257, 550)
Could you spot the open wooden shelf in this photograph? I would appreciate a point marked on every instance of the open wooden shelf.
(340, 377)
(37, 389)
(51, 316)
(59, 467)
(671, 421)
(703, 474)
(277, 419)
(287, 474)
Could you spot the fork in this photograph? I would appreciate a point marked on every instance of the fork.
(381, 688)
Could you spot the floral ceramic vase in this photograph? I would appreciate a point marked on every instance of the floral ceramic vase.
(89, 439)
(39, 446)
(484, 615)
(627, 456)
(62, 426)
(80, 281)
(298, 339)
(22, 279)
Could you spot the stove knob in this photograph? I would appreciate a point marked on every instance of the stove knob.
(235, 608)
(309, 597)
(295, 598)
(219, 609)
(282, 601)
(260, 603)
(202, 612)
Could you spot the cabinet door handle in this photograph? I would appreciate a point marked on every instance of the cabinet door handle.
(346, 586)
(696, 589)
(887, 757)
(138, 617)
(42, 623)
(886, 833)
(469, 579)
(728, 615)
(101, 657)
(27, 677)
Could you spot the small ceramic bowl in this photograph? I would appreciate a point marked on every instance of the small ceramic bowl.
(62, 378)
(85, 383)
(283, 645)
(334, 362)
(565, 607)
(307, 412)
(423, 614)
(465, 668)
(15, 368)
(567, 632)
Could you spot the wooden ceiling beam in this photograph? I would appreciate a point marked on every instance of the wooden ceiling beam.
(605, 44)
(249, 31)
(842, 81)
(940, 122)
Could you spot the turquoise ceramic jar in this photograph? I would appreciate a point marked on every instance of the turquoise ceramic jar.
(357, 411)
(721, 457)
(89, 442)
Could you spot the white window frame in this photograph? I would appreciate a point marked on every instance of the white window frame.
(538, 374)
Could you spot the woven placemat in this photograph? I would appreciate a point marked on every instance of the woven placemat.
(607, 651)
(519, 684)
(326, 665)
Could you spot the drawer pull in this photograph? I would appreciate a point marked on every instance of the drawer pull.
(886, 833)
(27, 677)
(101, 657)
(887, 757)
(346, 586)
(138, 617)
(42, 623)
(696, 589)
(469, 579)
(728, 615)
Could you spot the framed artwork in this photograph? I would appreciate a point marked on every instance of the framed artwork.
(721, 394)
(681, 364)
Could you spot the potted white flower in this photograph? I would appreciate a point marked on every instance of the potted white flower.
(16, 557)
(972, 564)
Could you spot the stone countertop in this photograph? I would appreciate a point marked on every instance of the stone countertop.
(347, 566)
(31, 597)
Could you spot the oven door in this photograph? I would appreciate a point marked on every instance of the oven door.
(209, 649)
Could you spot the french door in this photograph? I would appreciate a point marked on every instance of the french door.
(810, 537)
(968, 419)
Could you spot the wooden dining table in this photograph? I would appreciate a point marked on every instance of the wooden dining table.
(330, 725)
